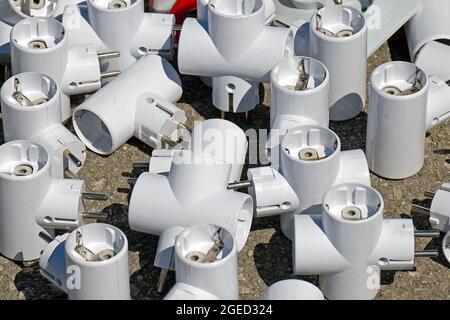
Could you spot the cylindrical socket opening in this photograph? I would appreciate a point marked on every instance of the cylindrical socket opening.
(236, 7)
(342, 22)
(95, 244)
(310, 143)
(29, 90)
(204, 245)
(399, 79)
(353, 203)
(299, 74)
(22, 159)
(34, 8)
(38, 34)
(93, 131)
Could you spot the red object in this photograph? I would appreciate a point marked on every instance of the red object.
(182, 8)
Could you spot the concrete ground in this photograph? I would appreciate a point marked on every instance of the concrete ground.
(267, 255)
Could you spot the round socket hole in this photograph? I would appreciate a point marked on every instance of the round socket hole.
(308, 154)
(117, 4)
(351, 213)
(196, 256)
(393, 91)
(231, 87)
(37, 44)
(345, 33)
(23, 170)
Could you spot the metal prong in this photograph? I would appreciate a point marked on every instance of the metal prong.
(132, 180)
(108, 55)
(240, 185)
(46, 237)
(427, 254)
(141, 166)
(184, 126)
(430, 194)
(168, 141)
(94, 196)
(110, 74)
(162, 280)
(72, 157)
(222, 115)
(95, 216)
(427, 234)
(420, 209)
(19, 96)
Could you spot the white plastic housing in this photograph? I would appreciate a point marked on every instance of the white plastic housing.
(352, 243)
(272, 195)
(12, 11)
(312, 163)
(293, 104)
(220, 277)
(124, 26)
(446, 246)
(344, 53)
(396, 125)
(32, 201)
(42, 121)
(433, 59)
(293, 290)
(440, 209)
(221, 140)
(129, 106)
(202, 10)
(438, 108)
(236, 49)
(41, 45)
(428, 24)
(107, 279)
(189, 195)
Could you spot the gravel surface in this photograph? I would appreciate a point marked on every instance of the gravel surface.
(267, 255)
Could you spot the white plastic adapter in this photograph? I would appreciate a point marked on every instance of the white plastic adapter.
(199, 276)
(338, 38)
(312, 162)
(430, 23)
(293, 289)
(297, 97)
(352, 243)
(235, 48)
(300, 95)
(213, 138)
(90, 263)
(177, 202)
(32, 201)
(446, 246)
(188, 195)
(31, 110)
(272, 195)
(12, 11)
(122, 25)
(440, 209)
(202, 11)
(129, 106)
(433, 59)
(42, 45)
(396, 120)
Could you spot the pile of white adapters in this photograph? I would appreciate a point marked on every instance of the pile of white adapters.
(191, 194)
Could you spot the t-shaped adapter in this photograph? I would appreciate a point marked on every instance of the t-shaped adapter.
(351, 243)
(31, 109)
(44, 45)
(236, 49)
(33, 202)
